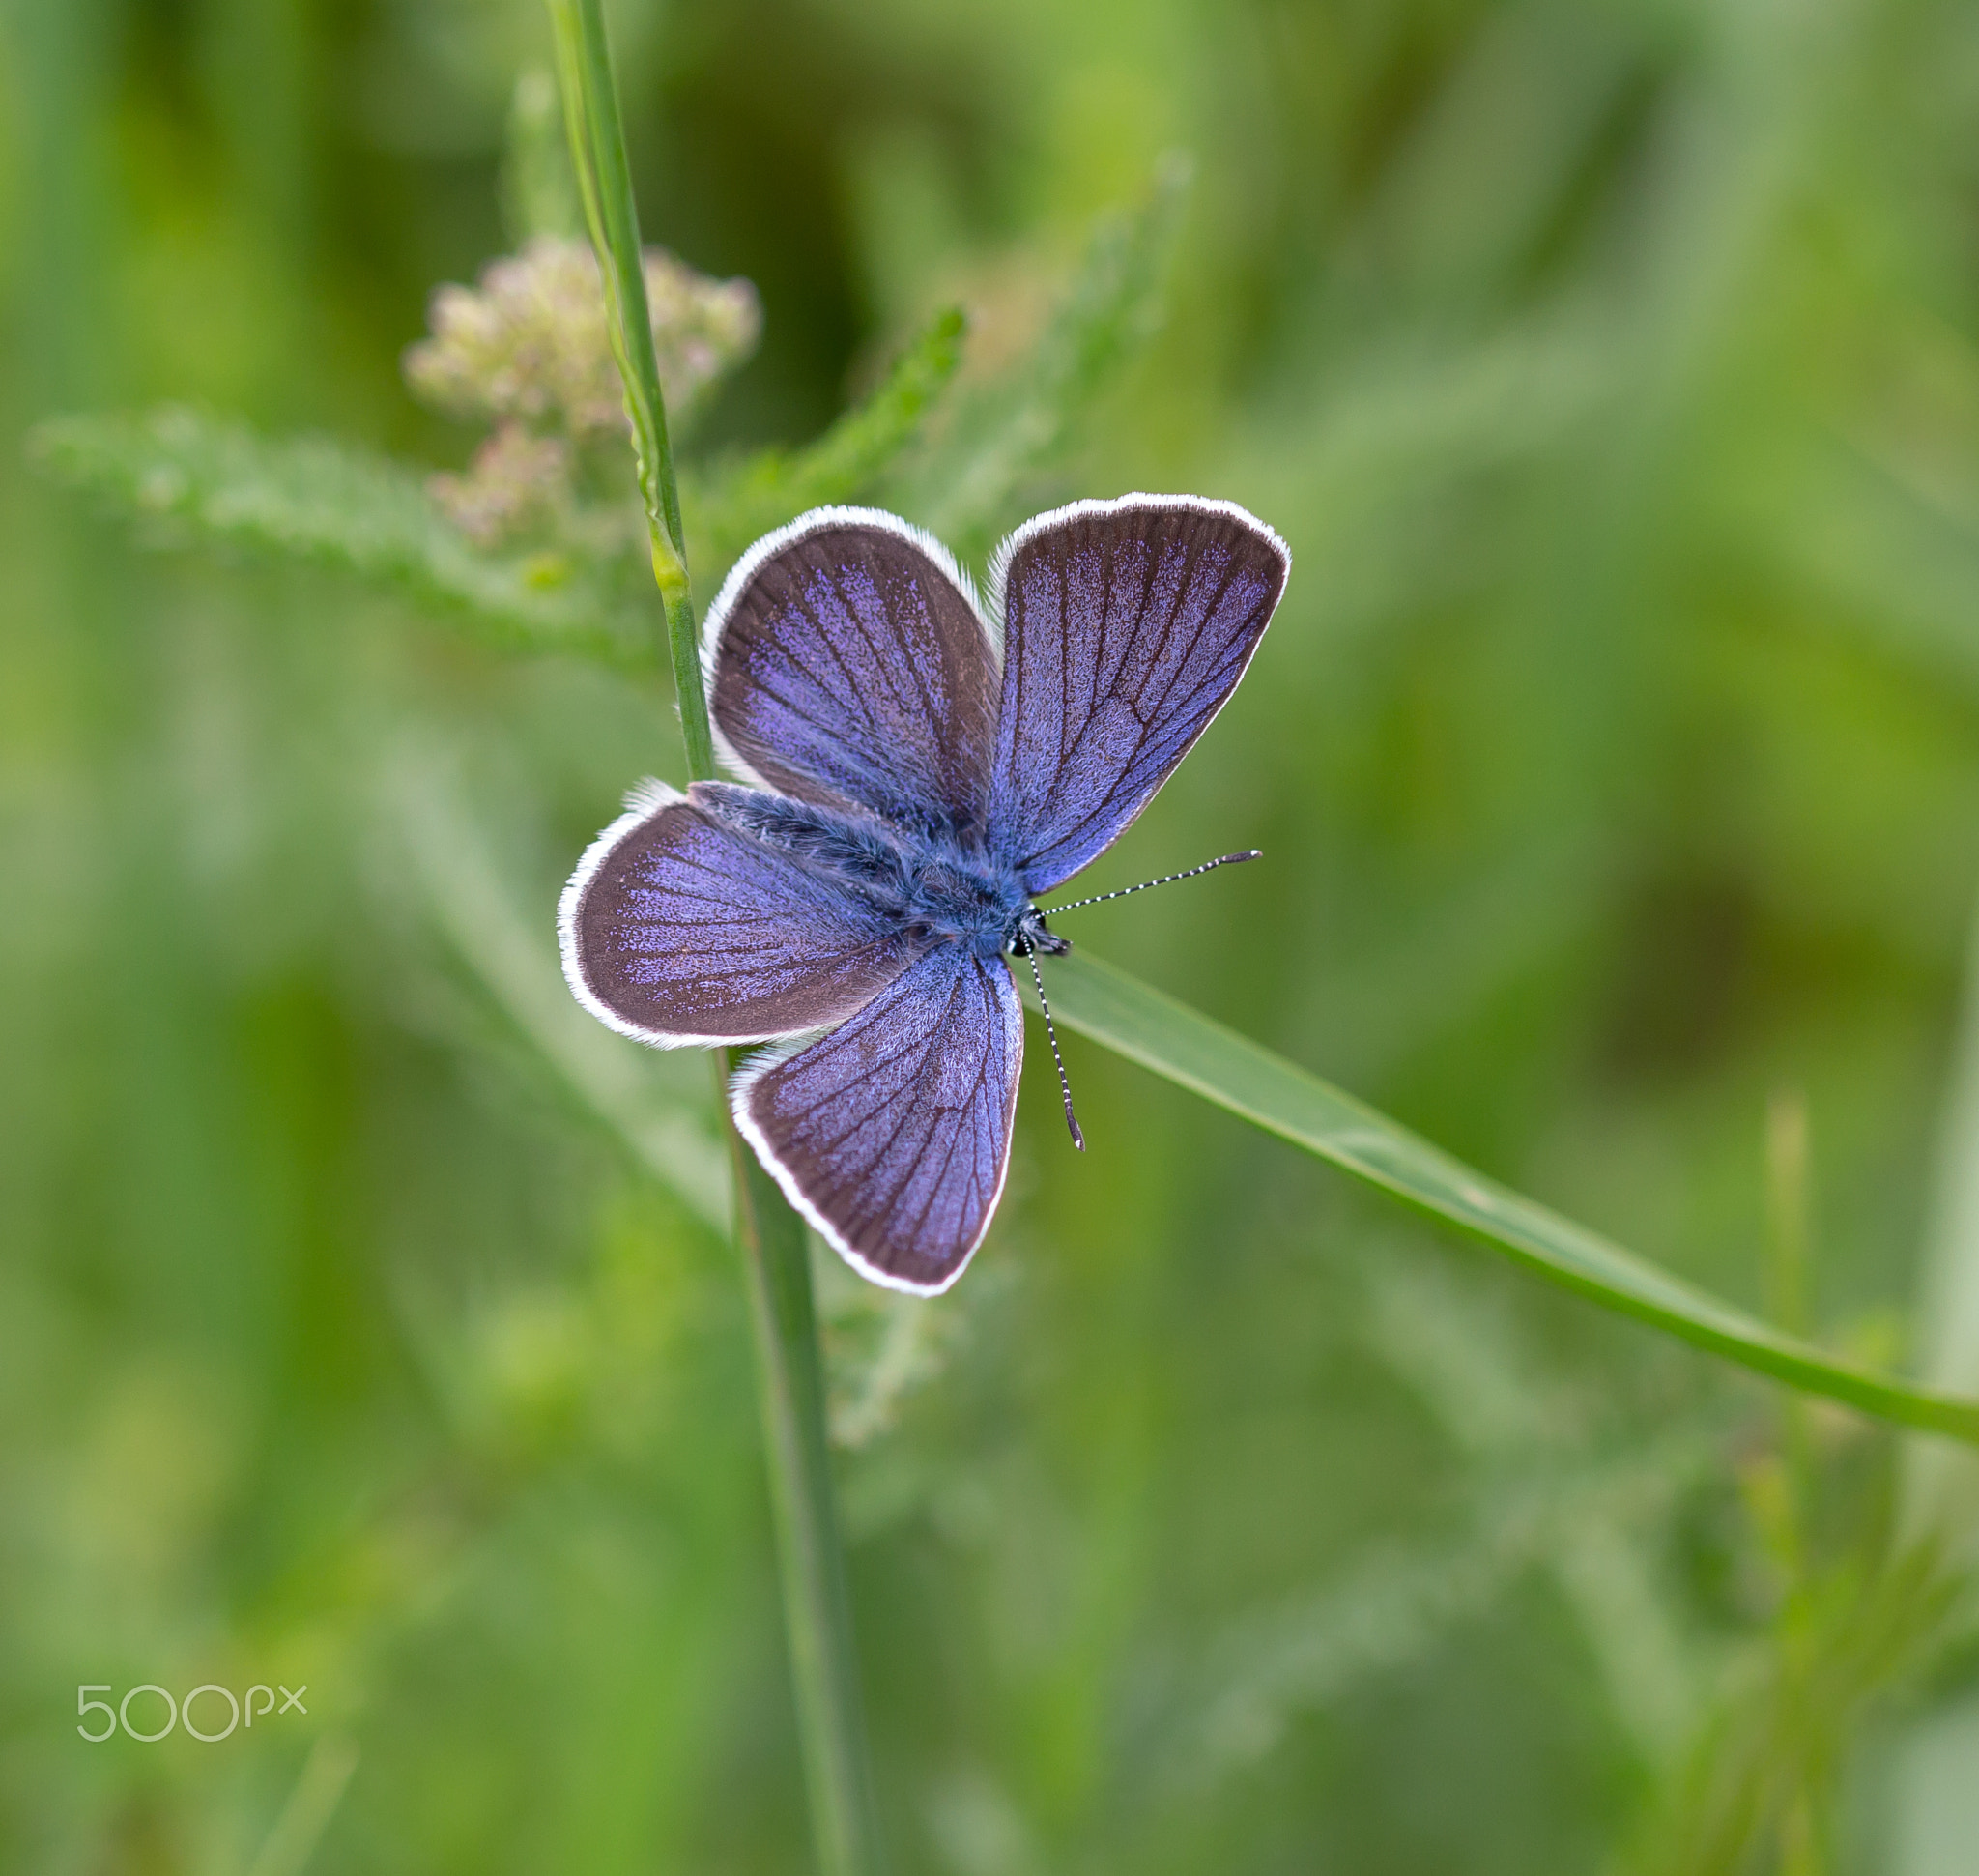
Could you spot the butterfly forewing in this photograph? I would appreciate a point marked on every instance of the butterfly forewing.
(892, 1134)
(1127, 624)
(849, 668)
(678, 928)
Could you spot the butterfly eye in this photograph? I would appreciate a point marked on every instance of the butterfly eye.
(919, 932)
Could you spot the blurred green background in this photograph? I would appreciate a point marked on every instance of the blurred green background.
(365, 1321)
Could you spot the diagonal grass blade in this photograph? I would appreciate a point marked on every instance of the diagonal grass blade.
(1222, 1066)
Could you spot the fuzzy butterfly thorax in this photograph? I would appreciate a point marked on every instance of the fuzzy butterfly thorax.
(935, 886)
(915, 770)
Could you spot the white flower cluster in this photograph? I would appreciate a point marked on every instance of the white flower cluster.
(528, 347)
(517, 478)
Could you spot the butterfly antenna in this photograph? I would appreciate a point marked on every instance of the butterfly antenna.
(1167, 879)
(1078, 1139)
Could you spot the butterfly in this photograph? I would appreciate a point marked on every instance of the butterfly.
(915, 769)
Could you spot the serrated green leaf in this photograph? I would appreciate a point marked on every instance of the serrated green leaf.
(767, 490)
(1010, 431)
(201, 479)
(1194, 1052)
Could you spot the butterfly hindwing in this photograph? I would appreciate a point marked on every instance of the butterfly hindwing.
(892, 1134)
(678, 928)
(1126, 626)
(848, 666)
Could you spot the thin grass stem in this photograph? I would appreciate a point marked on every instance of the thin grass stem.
(604, 178)
(769, 1235)
(1789, 1250)
(791, 1389)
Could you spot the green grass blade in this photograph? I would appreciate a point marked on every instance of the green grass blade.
(769, 489)
(790, 1392)
(539, 187)
(1197, 1053)
(194, 477)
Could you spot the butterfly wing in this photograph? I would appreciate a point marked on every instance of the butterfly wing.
(676, 929)
(1126, 626)
(846, 665)
(892, 1134)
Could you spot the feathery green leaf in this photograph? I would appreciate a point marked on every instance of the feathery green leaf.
(766, 491)
(197, 477)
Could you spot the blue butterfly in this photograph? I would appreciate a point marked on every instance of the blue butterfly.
(918, 769)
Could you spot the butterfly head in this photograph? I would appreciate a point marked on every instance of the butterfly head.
(1031, 934)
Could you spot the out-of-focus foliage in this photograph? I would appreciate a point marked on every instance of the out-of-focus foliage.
(744, 500)
(364, 1313)
(968, 490)
(196, 477)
